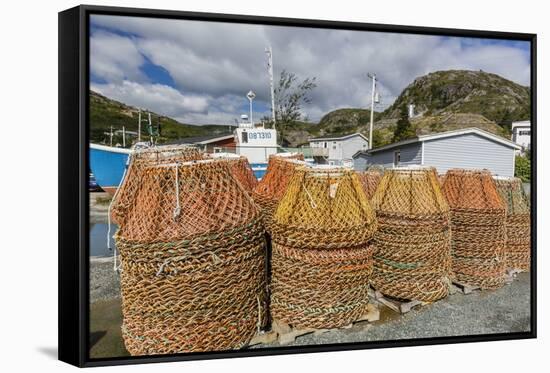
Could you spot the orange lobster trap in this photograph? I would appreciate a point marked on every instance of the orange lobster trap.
(192, 253)
(478, 217)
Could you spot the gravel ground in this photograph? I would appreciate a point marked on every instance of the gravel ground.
(104, 281)
(481, 312)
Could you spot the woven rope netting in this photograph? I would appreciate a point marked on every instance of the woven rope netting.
(271, 188)
(518, 223)
(412, 259)
(478, 218)
(322, 256)
(138, 160)
(193, 254)
(369, 180)
(240, 168)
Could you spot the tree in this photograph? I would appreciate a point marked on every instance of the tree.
(290, 96)
(377, 138)
(404, 129)
(523, 169)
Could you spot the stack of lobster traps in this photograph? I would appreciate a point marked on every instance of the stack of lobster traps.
(518, 223)
(412, 260)
(192, 253)
(322, 251)
(478, 226)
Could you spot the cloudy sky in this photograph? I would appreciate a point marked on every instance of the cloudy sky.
(200, 72)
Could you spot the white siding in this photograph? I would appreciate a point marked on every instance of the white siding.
(469, 151)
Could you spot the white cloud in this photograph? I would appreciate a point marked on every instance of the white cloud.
(222, 61)
(158, 97)
(114, 57)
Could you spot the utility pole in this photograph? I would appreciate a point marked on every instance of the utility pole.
(373, 77)
(123, 136)
(111, 136)
(139, 125)
(269, 53)
(150, 129)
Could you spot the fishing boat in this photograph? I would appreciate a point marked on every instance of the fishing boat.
(108, 164)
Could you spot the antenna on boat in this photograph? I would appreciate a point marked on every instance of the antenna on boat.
(269, 53)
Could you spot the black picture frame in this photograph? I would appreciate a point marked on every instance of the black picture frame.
(73, 180)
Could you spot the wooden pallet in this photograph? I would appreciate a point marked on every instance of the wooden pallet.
(397, 305)
(285, 334)
(465, 288)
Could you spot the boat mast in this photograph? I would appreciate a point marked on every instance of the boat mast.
(269, 53)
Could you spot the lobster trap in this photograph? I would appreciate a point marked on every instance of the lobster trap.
(192, 253)
(240, 169)
(518, 223)
(322, 255)
(272, 186)
(478, 217)
(412, 260)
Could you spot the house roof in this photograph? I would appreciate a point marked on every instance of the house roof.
(523, 123)
(441, 135)
(203, 140)
(338, 138)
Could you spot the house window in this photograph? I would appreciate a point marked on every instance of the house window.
(334, 147)
(396, 158)
(326, 144)
(525, 133)
(217, 149)
(244, 137)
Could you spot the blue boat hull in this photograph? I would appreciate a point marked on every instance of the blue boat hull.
(108, 165)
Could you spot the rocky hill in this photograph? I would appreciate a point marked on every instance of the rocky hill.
(463, 91)
(444, 101)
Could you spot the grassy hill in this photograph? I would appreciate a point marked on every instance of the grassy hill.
(463, 91)
(105, 112)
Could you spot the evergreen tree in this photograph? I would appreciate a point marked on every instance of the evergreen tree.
(404, 129)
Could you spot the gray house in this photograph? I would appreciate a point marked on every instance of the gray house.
(469, 148)
(336, 150)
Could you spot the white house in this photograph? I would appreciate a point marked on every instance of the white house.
(337, 150)
(469, 148)
(521, 134)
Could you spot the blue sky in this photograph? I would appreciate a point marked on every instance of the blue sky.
(199, 73)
